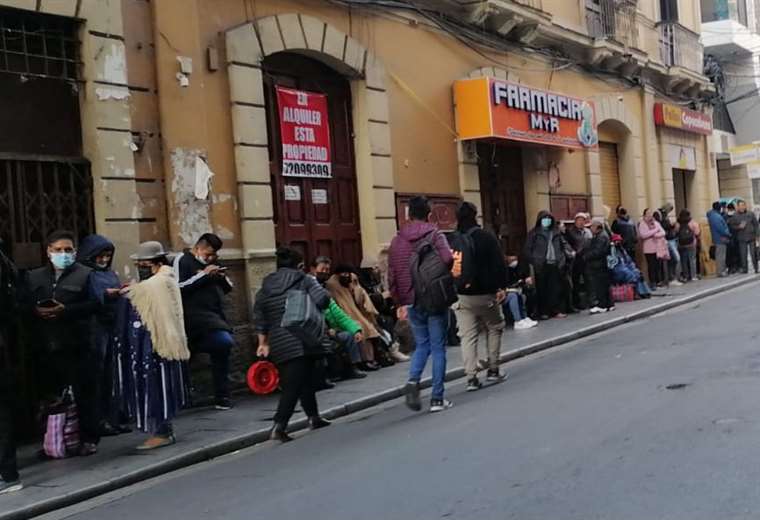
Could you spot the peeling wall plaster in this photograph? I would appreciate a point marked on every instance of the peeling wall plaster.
(192, 214)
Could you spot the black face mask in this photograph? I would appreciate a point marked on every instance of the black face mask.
(144, 272)
(323, 277)
(345, 280)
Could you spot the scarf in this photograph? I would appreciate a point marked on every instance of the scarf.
(158, 301)
(355, 302)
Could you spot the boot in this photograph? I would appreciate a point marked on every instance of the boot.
(397, 355)
(279, 433)
(355, 373)
(317, 422)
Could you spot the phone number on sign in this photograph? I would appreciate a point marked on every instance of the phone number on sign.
(301, 169)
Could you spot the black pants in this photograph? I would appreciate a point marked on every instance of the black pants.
(579, 284)
(297, 382)
(549, 289)
(78, 368)
(654, 269)
(600, 280)
(218, 344)
(8, 468)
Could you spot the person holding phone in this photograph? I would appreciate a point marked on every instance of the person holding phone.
(58, 299)
(204, 283)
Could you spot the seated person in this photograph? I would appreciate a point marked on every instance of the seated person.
(518, 281)
(341, 329)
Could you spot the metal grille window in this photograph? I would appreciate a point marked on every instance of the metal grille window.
(39, 196)
(39, 45)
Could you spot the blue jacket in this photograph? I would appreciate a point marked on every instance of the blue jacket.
(718, 227)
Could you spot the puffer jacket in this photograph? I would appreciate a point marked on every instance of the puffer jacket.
(270, 306)
(537, 244)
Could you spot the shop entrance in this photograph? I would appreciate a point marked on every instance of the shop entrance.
(503, 195)
(318, 216)
(610, 173)
(682, 182)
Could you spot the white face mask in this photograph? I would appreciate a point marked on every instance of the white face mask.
(201, 259)
(513, 264)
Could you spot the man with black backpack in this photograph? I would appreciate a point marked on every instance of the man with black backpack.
(481, 293)
(423, 288)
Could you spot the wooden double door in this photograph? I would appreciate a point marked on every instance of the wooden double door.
(314, 215)
(503, 194)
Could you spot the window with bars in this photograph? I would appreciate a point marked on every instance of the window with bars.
(39, 45)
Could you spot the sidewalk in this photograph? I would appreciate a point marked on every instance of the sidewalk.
(204, 433)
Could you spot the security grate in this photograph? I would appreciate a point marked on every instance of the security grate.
(39, 196)
(39, 45)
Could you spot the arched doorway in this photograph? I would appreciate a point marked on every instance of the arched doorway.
(618, 188)
(318, 216)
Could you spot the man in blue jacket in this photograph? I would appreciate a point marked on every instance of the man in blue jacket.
(721, 236)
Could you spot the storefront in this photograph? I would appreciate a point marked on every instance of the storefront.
(522, 138)
(681, 134)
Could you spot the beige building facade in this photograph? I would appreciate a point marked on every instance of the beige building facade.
(181, 126)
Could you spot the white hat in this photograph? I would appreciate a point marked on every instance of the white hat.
(149, 251)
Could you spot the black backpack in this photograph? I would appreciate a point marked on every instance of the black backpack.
(685, 235)
(465, 244)
(434, 287)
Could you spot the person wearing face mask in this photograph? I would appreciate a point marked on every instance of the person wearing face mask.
(152, 323)
(57, 296)
(548, 252)
(518, 284)
(344, 288)
(96, 252)
(204, 284)
(652, 233)
(346, 332)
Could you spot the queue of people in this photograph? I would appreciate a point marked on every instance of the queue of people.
(120, 350)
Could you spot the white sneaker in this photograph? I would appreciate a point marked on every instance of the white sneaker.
(527, 323)
(676, 283)
(439, 405)
(521, 325)
(595, 310)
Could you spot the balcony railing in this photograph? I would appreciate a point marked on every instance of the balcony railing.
(613, 20)
(680, 47)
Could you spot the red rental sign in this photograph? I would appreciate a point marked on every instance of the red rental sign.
(305, 131)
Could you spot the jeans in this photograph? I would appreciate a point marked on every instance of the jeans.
(514, 305)
(744, 248)
(476, 314)
(297, 382)
(430, 337)
(347, 341)
(720, 258)
(218, 344)
(674, 266)
(8, 468)
(689, 263)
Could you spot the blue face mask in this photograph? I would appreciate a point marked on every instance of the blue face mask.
(546, 222)
(62, 261)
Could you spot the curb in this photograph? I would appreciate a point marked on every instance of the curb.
(259, 436)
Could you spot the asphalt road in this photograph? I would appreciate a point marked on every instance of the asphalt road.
(586, 431)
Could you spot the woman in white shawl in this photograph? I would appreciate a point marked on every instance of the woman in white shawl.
(154, 347)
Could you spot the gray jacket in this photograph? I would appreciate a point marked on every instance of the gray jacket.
(744, 226)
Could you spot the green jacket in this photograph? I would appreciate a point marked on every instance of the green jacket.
(337, 319)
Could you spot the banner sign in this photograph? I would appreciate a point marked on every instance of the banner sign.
(489, 107)
(682, 157)
(305, 132)
(673, 116)
(744, 154)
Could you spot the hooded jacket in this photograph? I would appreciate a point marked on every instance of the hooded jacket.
(202, 297)
(101, 278)
(595, 255)
(402, 248)
(538, 241)
(270, 306)
(625, 227)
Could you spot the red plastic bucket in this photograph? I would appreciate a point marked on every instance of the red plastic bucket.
(263, 378)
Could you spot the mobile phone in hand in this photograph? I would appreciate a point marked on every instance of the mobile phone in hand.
(47, 304)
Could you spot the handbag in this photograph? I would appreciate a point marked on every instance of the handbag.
(622, 293)
(62, 428)
(302, 318)
(663, 251)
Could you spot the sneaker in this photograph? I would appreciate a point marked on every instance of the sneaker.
(594, 310)
(676, 283)
(10, 486)
(223, 404)
(474, 384)
(521, 325)
(495, 375)
(439, 405)
(157, 441)
(87, 449)
(412, 391)
(610, 309)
